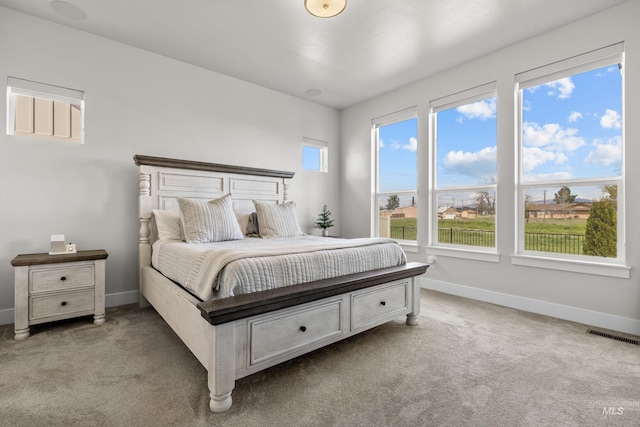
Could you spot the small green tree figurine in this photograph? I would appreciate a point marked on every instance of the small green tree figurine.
(324, 220)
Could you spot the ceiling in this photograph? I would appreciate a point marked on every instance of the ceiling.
(373, 47)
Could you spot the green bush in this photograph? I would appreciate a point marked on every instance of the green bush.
(601, 234)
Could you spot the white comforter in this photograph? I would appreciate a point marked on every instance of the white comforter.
(222, 269)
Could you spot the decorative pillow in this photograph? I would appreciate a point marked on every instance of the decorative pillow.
(248, 223)
(212, 221)
(168, 224)
(252, 227)
(277, 220)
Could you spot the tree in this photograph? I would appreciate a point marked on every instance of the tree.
(487, 199)
(529, 205)
(601, 234)
(563, 198)
(612, 193)
(324, 220)
(393, 202)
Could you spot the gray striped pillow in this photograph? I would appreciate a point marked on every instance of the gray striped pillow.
(212, 221)
(277, 220)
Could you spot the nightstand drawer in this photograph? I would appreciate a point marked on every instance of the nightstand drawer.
(291, 330)
(379, 305)
(61, 278)
(61, 304)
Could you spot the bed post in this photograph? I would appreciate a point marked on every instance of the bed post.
(144, 215)
(285, 190)
(222, 368)
(412, 318)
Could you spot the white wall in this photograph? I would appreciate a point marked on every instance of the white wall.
(596, 300)
(136, 103)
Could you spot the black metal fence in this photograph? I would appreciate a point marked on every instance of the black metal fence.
(404, 233)
(543, 242)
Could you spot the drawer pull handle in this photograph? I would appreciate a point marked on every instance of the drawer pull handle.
(383, 303)
(63, 303)
(303, 328)
(63, 278)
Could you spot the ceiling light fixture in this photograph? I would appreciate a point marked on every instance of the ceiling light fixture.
(325, 8)
(67, 9)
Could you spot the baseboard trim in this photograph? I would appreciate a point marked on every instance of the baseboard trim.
(111, 300)
(6, 316)
(565, 312)
(121, 298)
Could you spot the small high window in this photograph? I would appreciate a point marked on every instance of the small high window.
(44, 111)
(314, 155)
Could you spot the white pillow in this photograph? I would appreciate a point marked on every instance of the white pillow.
(212, 221)
(277, 220)
(168, 224)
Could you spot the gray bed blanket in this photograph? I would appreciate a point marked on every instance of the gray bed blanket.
(222, 269)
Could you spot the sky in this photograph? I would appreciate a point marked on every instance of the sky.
(572, 128)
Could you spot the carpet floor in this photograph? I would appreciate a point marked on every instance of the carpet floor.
(467, 363)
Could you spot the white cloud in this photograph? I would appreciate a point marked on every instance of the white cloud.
(479, 164)
(553, 176)
(533, 157)
(483, 110)
(611, 119)
(574, 116)
(605, 153)
(552, 137)
(565, 86)
(412, 145)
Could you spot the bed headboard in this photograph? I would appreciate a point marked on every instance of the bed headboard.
(163, 180)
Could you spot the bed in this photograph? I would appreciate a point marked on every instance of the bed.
(235, 332)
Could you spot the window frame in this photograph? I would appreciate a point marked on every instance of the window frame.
(17, 86)
(376, 123)
(468, 96)
(615, 267)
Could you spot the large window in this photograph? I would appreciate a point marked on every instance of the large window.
(464, 172)
(44, 111)
(571, 194)
(396, 207)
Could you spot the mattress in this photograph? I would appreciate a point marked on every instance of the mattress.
(223, 269)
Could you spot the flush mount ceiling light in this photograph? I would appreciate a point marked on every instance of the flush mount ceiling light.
(325, 8)
(67, 9)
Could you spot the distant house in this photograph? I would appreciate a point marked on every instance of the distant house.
(406, 212)
(447, 212)
(578, 210)
(469, 214)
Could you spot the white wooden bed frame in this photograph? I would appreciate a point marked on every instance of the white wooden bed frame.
(238, 336)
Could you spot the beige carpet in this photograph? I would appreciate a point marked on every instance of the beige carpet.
(467, 364)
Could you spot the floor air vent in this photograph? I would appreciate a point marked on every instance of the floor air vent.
(613, 337)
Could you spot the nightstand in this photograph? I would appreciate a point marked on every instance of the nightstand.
(55, 287)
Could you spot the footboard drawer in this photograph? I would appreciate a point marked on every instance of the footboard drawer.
(291, 331)
(374, 306)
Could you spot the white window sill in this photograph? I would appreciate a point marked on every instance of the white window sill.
(464, 253)
(576, 266)
(409, 247)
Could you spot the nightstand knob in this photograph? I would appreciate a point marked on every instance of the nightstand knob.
(63, 303)
(383, 303)
(63, 278)
(303, 328)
